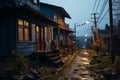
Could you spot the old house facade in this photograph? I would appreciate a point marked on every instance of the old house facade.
(23, 27)
(58, 14)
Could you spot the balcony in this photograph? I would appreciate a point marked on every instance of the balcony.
(64, 26)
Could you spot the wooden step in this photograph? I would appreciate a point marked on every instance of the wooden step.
(57, 61)
(55, 58)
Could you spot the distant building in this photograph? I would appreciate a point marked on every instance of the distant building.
(84, 42)
(105, 34)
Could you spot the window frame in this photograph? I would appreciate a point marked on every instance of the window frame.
(55, 17)
(25, 27)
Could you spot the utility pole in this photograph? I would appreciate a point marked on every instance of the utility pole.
(111, 31)
(95, 23)
(75, 31)
(92, 34)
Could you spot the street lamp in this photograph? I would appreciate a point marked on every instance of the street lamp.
(78, 25)
(86, 35)
(87, 22)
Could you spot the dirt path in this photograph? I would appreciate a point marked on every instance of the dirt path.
(78, 71)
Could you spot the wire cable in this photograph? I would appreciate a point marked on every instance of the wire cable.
(103, 16)
(97, 6)
(94, 5)
(102, 9)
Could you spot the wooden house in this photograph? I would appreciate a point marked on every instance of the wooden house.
(105, 34)
(58, 14)
(23, 27)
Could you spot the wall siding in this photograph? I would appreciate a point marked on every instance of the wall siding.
(7, 33)
(25, 48)
(3, 37)
(55, 34)
(47, 11)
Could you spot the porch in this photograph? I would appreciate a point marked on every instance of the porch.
(47, 58)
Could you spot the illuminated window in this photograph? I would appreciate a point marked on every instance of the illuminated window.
(37, 33)
(23, 30)
(37, 29)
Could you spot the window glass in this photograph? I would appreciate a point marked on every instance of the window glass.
(20, 34)
(23, 30)
(55, 17)
(37, 29)
(20, 22)
(26, 23)
(26, 34)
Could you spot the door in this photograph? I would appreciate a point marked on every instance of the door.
(40, 42)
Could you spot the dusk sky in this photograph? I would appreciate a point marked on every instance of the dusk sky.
(80, 11)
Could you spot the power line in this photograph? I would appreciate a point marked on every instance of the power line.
(98, 5)
(102, 9)
(103, 16)
(94, 5)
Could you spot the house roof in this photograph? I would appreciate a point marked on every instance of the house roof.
(58, 8)
(70, 31)
(6, 3)
(104, 33)
(52, 22)
(13, 5)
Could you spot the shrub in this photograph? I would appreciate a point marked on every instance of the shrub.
(92, 53)
(116, 65)
(53, 45)
(17, 63)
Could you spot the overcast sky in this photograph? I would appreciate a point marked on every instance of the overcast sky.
(80, 11)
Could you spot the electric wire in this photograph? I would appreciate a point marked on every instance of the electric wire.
(94, 5)
(103, 16)
(97, 5)
(102, 10)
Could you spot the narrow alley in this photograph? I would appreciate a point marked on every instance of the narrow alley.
(78, 70)
(54, 40)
